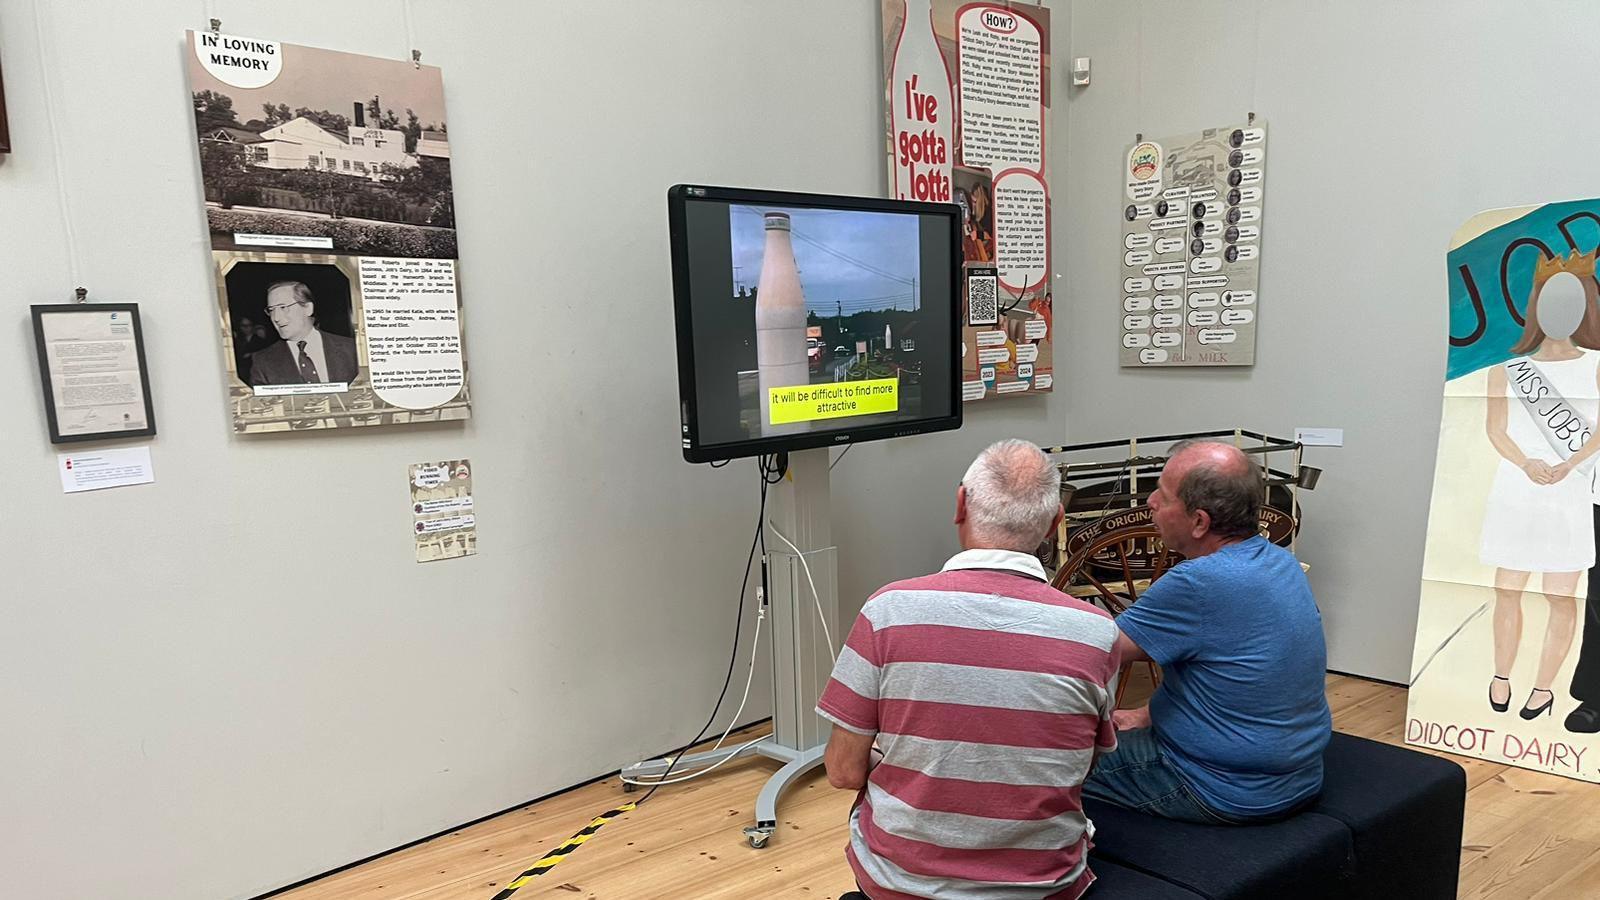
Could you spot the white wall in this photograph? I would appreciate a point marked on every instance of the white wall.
(1389, 124)
(207, 695)
(238, 677)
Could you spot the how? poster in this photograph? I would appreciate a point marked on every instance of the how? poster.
(332, 225)
(966, 112)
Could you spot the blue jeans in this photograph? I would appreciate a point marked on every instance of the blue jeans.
(1138, 775)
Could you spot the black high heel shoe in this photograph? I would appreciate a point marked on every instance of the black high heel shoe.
(1549, 704)
(1500, 707)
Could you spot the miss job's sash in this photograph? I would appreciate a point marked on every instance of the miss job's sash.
(1565, 429)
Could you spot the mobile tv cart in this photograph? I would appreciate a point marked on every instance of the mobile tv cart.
(801, 509)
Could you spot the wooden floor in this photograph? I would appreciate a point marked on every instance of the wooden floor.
(1528, 835)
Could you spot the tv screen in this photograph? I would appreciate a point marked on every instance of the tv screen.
(808, 320)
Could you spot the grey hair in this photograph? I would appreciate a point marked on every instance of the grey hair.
(302, 293)
(1230, 494)
(1013, 493)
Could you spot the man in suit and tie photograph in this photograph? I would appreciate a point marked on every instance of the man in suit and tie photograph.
(304, 353)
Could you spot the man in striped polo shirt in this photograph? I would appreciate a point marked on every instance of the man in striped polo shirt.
(989, 694)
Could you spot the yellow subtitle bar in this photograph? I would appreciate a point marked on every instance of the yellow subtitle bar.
(809, 402)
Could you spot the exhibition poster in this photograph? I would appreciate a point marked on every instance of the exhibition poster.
(1191, 247)
(332, 224)
(1506, 665)
(443, 522)
(967, 103)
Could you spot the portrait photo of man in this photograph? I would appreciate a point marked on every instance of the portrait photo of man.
(304, 353)
(302, 332)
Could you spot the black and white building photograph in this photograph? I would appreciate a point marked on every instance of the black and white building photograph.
(339, 152)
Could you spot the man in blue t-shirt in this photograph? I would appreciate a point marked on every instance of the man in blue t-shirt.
(1236, 731)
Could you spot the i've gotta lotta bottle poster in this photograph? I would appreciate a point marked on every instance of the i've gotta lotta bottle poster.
(967, 91)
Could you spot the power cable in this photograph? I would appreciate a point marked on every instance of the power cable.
(550, 859)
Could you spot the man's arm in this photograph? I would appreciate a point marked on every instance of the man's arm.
(258, 369)
(848, 758)
(1128, 651)
(1129, 719)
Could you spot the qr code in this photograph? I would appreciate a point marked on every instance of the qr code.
(983, 297)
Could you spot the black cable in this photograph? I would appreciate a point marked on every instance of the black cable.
(839, 457)
(1111, 495)
(772, 471)
(555, 856)
(738, 627)
(761, 528)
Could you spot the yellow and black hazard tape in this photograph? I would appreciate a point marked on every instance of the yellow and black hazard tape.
(549, 860)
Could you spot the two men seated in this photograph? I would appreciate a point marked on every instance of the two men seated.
(975, 707)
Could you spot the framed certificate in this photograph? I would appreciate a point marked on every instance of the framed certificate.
(92, 368)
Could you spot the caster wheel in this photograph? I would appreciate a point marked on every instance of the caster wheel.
(629, 788)
(758, 841)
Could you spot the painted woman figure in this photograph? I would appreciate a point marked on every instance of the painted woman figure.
(972, 249)
(983, 219)
(1542, 408)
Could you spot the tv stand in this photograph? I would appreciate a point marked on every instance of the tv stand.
(801, 509)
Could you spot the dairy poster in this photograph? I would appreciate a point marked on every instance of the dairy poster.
(1191, 248)
(1506, 664)
(967, 103)
(332, 226)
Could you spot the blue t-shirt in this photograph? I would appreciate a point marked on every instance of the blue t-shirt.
(1241, 711)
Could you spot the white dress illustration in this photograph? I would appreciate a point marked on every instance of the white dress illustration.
(1532, 527)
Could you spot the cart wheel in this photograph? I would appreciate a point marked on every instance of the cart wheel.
(758, 841)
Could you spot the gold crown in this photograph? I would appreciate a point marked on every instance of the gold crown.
(1579, 264)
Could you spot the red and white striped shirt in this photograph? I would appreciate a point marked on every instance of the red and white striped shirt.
(990, 693)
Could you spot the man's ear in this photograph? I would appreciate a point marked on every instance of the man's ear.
(1055, 524)
(961, 505)
(1199, 524)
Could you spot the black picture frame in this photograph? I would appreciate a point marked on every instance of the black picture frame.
(696, 450)
(5, 127)
(40, 312)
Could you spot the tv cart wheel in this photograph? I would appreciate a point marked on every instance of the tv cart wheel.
(629, 788)
(758, 835)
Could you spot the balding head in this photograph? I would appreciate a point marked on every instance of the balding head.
(1220, 480)
(1009, 498)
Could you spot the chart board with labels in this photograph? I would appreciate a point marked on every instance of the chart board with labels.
(1191, 248)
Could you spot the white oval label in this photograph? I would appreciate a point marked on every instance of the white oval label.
(238, 62)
